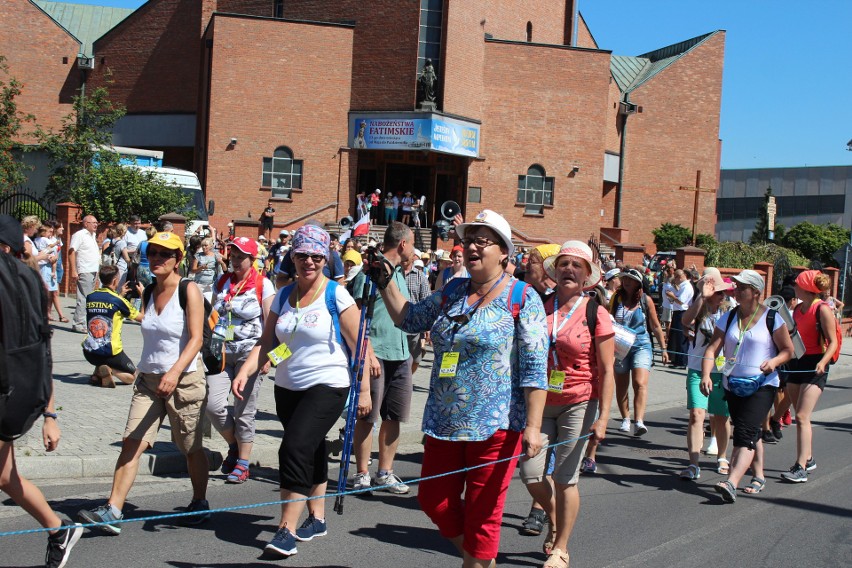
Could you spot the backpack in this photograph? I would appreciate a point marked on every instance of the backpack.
(330, 304)
(213, 358)
(26, 363)
(838, 332)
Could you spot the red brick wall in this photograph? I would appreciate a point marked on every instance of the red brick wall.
(464, 69)
(584, 35)
(34, 46)
(676, 134)
(250, 7)
(154, 56)
(294, 92)
(536, 113)
(507, 19)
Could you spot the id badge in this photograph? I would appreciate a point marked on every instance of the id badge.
(449, 365)
(556, 381)
(728, 368)
(720, 362)
(279, 354)
(229, 333)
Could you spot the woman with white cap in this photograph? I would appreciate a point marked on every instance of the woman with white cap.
(630, 307)
(487, 388)
(753, 350)
(580, 371)
(701, 317)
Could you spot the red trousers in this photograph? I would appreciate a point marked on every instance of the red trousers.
(479, 515)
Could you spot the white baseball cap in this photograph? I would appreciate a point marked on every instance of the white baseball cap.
(493, 221)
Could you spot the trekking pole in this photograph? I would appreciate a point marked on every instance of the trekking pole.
(357, 373)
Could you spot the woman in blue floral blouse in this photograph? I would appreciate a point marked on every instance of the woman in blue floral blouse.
(487, 390)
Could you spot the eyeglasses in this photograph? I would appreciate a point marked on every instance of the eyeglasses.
(302, 257)
(478, 242)
(161, 254)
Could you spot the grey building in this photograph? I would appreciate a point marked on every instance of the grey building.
(818, 194)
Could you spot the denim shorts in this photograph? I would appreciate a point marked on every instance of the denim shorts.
(639, 357)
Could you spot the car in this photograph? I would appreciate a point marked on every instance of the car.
(657, 261)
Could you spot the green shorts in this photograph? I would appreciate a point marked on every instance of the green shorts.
(715, 403)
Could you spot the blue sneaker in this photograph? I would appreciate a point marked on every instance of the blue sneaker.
(310, 528)
(282, 543)
(588, 466)
(102, 514)
(196, 506)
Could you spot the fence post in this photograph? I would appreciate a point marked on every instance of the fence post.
(68, 215)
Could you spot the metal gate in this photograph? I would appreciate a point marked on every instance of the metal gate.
(22, 202)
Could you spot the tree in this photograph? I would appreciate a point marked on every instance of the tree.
(705, 241)
(12, 169)
(88, 173)
(669, 236)
(816, 242)
(760, 234)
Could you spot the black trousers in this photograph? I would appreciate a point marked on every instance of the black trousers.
(677, 340)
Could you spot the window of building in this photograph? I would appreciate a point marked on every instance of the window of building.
(278, 8)
(474, 194)
(535, 190)
(431, 23)
(282, 173)
(529, 31)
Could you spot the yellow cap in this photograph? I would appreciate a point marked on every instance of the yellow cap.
(547, 250)
(352, 255)
(167, 240)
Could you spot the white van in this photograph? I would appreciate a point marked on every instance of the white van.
(189, 184)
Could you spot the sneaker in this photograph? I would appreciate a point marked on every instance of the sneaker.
(775, 426)
(534, 523)
(787, 419)
(361, 481)
(588, 465)
(641, 429)
(797, 474)
(311, 528)
(102, 514)
(396, 486)
(712, 447)
(196, 505)
(810, 465)
(625, 425)
(282, 543)
(768, 438)
(59, 545)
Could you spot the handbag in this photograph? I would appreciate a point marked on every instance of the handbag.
(745, 386)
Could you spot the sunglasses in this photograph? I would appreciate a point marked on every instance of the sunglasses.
(161, 254)
(478, 242)
(303, 257)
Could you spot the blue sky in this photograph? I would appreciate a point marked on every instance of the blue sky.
(787, 85)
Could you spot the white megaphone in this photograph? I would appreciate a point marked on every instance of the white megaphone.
(778, 304)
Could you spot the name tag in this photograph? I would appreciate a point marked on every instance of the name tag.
(229, 333)
(720, 362)
(728, 367)
(279, 354)
(449, 365)
(556, 381)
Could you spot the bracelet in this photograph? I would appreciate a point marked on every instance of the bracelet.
(50, 415)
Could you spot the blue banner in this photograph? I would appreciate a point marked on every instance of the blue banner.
(440, 134)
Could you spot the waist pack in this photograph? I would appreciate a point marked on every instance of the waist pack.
(745, 386)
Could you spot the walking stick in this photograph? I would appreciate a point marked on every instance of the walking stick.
(356, 373)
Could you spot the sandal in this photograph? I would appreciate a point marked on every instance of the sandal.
(692, 472)
(547, 547)
(63, 319)
(727, 490)
(557, 559)
(756, 486)
(238, 475)
(724, 466)
(534, 523)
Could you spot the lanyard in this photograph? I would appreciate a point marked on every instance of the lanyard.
(468, 311)
(556, 329)
(296, 317)
(742, 331)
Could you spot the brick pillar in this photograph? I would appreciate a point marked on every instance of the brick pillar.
(687, 256)
(71, 217)
(178, 221)
(629, 254)
(834, 275)
(769, 270)
(246, 228)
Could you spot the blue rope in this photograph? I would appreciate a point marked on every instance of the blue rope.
(660, 351)
(282, 502)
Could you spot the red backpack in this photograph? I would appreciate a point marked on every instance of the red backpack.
(837, 331)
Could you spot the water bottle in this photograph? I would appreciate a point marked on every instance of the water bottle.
(217, 340)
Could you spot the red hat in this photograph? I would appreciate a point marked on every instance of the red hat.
(457, 248)
(246, 245)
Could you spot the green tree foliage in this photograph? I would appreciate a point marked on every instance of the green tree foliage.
(816, 242)
(760, 234)
(27, 208)
(705, 241)
(742, 255)
(12, 169)
(669, 236)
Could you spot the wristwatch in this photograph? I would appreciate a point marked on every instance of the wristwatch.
(50, 415)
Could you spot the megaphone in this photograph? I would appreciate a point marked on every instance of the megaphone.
(346, 223)
(449, 209)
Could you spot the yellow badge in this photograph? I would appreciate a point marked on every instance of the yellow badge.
(556, 382)
(229, 333)
(720, 362)
(279, 354)
(449, 365)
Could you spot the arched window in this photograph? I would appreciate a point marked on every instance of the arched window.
(281, 173)
(529, 31)
(535, 190)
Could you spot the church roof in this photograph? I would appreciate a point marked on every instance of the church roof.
(86, 23)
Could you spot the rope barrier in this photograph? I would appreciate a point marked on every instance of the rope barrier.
(660, 351)
(284, 501)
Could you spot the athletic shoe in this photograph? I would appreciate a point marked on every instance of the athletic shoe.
(283, 543)
(625, 425)
(810, 465)
(361, 481)
(712, 447)
(534, 523)
(641, 429)
(787, 419)
(768, 438)
(396, 486)
(797, 474)
(196, 506)
(102, 514)
(775, 426)
(311, 528)
(59, 545)
(588, 465)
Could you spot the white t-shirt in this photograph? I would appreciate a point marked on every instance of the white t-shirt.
(39, 245)
(244, 315)
(164, 337)
(134, 240)
(684, 294)
(317, 358)
(88, 252)
(667, 287)
(696, 350)
(757, 346)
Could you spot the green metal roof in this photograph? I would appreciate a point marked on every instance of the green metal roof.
(631, 72)
(85, 22)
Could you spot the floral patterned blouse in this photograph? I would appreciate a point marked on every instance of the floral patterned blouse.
(498, 358)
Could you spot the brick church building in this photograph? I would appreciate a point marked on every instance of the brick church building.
(308, 102)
